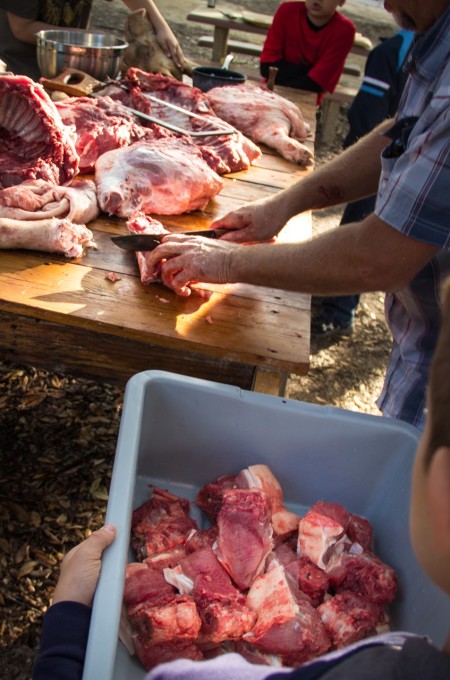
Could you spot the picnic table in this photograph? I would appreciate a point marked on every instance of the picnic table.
(64, 315)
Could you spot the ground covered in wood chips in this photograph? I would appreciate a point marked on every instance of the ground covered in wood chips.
(58, 433)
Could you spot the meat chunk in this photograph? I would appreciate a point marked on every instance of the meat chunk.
(360, 571)
(348, 617)
(140, 223)
(160, 524)
(34, 142)
(143, 583)
(245, 534)
(286, 627)
(266, 117)
(210, 496)
(51, 235)
(101, 125)
(166, 177)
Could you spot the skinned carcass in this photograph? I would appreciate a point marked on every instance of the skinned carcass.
(265, 117)
(165, 177)
(34, 142)
(102, 125)
(224, 153)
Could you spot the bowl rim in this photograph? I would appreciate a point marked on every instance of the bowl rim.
(48, 38)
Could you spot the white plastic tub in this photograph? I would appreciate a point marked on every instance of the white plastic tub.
(178, 433)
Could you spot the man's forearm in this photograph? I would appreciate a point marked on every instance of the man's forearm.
(355, 258)
(352, 175)
(25, 30)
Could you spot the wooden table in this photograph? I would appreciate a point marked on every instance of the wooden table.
(64, 315)
(233, 18)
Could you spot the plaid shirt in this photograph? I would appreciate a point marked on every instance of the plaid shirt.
(414, 198)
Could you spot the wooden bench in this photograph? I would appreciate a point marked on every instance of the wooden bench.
(254, 50)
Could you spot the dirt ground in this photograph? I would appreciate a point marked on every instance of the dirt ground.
(58, 433)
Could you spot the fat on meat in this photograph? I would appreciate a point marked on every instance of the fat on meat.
(348, 617)
(39, 199)
(285, 626)
(265, 117)
(34, 142)
(101, 125)
(230, 152)
(165, 177)
(222, 608)
(51, 235)
(245, 534)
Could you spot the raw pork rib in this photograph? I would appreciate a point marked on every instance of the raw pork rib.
(165, 177)
(223, 153)
(34, 142)
(266, 117)
(101, 125)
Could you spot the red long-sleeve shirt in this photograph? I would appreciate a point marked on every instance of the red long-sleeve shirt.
(292, 39)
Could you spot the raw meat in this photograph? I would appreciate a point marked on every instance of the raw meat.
(161, 524)
(224, 153)
(101, 125)
(38, 199)
(166, 177)
(245, 534)
(251, 594)
(221, 606)
(143, 224)
(34, 142)
(265, 117)
(52, 235)
(348, 617)
(285, 626)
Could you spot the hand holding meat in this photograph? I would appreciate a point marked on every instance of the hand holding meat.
(80, 568)
(190, 259)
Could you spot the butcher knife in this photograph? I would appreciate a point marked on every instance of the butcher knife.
(143, 242)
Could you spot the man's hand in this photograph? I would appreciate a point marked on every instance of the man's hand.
(190, 259)
(257, 221)
(80, 568)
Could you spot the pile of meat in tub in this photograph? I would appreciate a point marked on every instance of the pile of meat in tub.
(277, 588)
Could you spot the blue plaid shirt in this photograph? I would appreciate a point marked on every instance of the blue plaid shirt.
(414, 198)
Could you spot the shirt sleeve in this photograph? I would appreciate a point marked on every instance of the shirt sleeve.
(413, 194)
(63, 642)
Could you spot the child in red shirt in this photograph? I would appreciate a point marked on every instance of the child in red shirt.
(308, 42)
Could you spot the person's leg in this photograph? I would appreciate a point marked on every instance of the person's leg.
(334, 315)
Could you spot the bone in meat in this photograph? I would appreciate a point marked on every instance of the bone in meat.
(265, 117)
(166, 177)
(35, 144)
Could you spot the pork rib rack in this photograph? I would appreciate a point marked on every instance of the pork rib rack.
(34, 143)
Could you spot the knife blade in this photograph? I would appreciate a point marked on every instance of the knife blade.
(143, 242)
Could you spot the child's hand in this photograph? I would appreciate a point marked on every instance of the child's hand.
(80, 568)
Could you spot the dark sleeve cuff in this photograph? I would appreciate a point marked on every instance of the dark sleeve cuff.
(63, 642)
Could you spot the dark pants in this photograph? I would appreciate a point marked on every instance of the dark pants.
(341, 309)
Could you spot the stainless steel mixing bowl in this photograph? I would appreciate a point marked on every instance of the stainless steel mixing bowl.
(98, 54)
